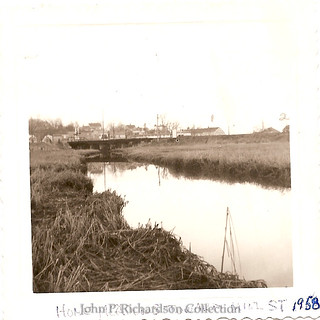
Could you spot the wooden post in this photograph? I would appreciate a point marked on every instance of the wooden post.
(225, 236)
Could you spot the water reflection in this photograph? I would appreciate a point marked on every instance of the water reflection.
(196, 210)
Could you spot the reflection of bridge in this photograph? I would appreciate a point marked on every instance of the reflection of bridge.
(105, 145)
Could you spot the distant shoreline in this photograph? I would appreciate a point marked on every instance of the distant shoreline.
(256, 158)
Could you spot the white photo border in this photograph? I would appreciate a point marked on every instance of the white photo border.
(18, 300)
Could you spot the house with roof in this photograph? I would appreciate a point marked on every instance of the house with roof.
(32, 138)
(117, 133)
(92, 131)
(184, 133)
(207, 132)
(202, 132)
(57, 138)
(95, 125)
(62, 136)
(47, 139)
(139, 132)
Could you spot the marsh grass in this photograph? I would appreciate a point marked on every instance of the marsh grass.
(60, 245)
(266, 163)
(59, 160)
(81, 241)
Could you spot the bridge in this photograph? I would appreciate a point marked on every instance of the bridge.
(106, 145)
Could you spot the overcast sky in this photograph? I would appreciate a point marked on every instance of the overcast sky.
(236, 63)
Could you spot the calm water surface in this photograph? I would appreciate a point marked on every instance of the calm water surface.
(196, 210)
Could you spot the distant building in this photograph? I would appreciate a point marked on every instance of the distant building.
(95, 125)
(184, 132)
(47, 139)
(130, 126)
(85, 129)
(207, 132)
(69, 135)
(174, 133)
(62, 137)
(57, 138)
(202, 132)
(91, 132)
(32, 138)
(137, 132)
(118, 134)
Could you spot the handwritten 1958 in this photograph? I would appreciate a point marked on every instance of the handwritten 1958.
(311, 303)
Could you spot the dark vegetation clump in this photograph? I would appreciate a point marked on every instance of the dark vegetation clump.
(81, 241)
(48, 187)
(266, 175)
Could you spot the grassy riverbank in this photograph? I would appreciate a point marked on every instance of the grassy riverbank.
(81, 241)
(262, 159)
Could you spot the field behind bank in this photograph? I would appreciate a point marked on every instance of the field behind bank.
(263, 159)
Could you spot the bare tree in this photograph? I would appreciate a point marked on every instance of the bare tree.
(40, 128)
(56, 123)
(173, 126)
(163, 120)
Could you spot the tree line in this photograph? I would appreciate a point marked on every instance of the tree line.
(40, 128)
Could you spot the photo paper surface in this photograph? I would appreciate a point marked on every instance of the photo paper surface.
(163, 160)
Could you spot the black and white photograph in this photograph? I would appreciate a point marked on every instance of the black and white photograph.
(160, 155)
(160, 146)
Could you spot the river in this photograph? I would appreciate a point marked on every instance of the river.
(195, 209)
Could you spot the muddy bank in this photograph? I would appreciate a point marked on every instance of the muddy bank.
(81, 241)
